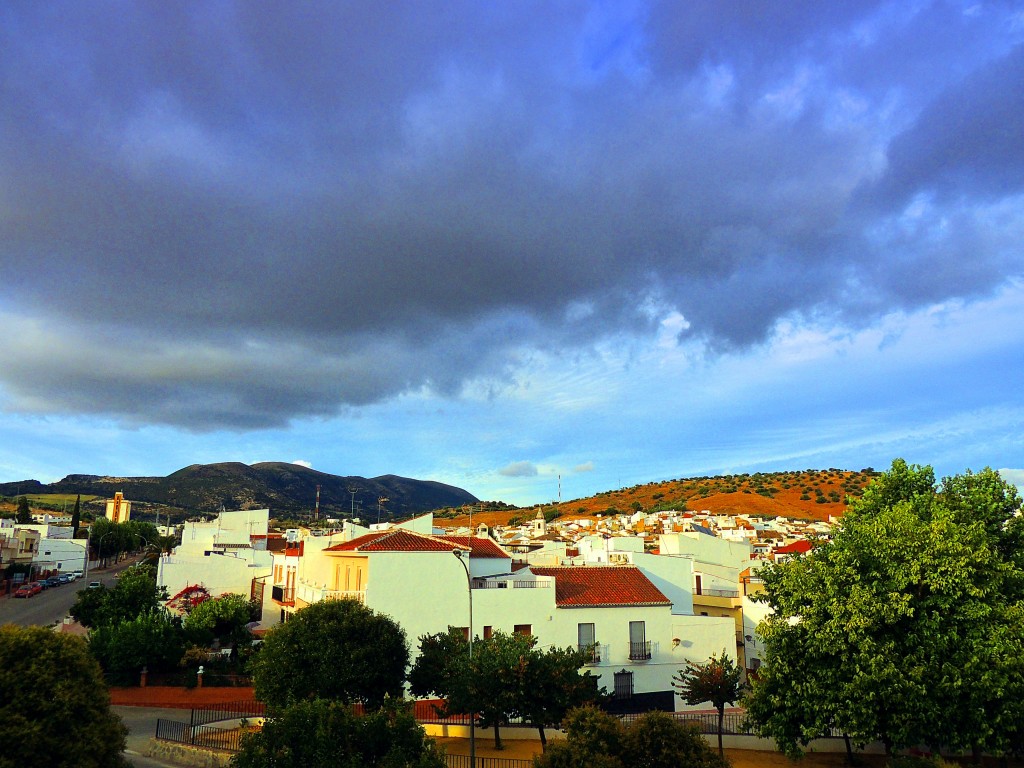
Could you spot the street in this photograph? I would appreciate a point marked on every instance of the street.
(51, 606)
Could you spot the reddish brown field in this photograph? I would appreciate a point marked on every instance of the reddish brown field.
(808, 494)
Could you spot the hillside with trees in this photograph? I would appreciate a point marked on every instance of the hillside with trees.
(810, 494)
(288, 490)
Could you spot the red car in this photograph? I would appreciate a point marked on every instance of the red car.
(28, 590)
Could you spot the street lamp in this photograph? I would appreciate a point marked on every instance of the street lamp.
(472, 715)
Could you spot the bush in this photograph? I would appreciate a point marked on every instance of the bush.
(328, 734)
(595, 739)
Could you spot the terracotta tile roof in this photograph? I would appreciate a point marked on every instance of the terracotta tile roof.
(478, 547)
(396, 540)
(797, 547)
(602, 585)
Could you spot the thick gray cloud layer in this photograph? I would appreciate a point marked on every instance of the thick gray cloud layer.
(234, 214)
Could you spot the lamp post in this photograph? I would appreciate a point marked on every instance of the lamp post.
(469, 585)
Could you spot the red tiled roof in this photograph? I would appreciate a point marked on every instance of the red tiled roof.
(602, 585)
(797, 547)
(396, 540)
(478, 547)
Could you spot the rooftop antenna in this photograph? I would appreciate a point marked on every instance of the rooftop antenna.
(352, 489)
(380, 501)
(559, 488)
(316, 512)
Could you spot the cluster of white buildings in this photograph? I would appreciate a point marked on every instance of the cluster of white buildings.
(44, 545)
(647, 592)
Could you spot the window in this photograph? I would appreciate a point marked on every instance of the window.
(587, 640)
(523, 629)
(464, 631)
(623, 685)
(488, 631)
(639, 647)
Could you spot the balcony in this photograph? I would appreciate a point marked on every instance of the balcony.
(282, 594)
(593, 653)
(311, 593)
(640, 651)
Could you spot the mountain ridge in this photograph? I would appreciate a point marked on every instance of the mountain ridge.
(287, 489)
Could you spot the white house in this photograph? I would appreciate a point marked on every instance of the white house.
(226, 554)
(425, 583)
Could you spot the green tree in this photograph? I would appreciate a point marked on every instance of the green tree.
(24, 514)
(507, 677)
(905, 628)
(489, 685)
(337, 649)
(76, 516)
(716, 680)
(551, 684)
(55, 710)
(153, 640)
(318, 733)
(223, 618)
(135, 594)
(595, 739)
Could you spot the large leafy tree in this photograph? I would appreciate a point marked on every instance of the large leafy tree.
(55, 711)
(906, 628)
(318, 733)
(507, 677)
(716, 680)
(337, 649)
(152, 640)
(223, 618)
(136, 593)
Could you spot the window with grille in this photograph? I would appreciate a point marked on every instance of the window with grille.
(623, 685)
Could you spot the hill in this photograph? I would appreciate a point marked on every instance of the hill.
(287, 489)
(812, 494)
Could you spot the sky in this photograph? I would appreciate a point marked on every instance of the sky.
(535, 250)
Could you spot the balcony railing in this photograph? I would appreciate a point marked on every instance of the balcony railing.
(283, 594)
(345, 594)
(517, 584)
(310, 593)
(593, 653)
(719, 592)
(640, 651)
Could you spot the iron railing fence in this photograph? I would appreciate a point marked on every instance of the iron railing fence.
(462, 761)
(229, 710)
(205, 736)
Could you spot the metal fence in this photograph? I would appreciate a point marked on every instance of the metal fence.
(462, 761)
(706, 722)
(205, 736)
(230, 710)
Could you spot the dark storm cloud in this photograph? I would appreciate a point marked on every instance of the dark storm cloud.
(279, 210)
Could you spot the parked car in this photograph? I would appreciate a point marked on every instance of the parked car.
(30, 589)
(53, 581)
(78, 574)
(94, 585)
(66, 578)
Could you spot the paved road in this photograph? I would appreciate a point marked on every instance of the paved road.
(51, 606)
(141, 722)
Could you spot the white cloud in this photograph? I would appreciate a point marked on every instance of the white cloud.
(303, 463)
(519, 469)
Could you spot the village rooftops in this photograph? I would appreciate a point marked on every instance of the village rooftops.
(600, 586)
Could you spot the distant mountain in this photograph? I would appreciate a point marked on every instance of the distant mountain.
(287, 489)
